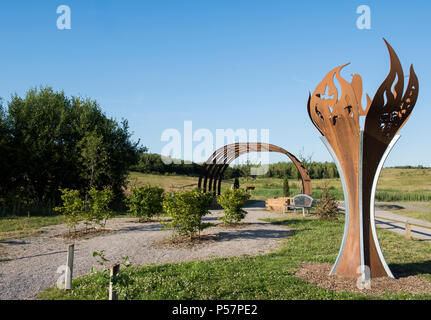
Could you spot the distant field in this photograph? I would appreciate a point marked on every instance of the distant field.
(394, 185)
(169, 183)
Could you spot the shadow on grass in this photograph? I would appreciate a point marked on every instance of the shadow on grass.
(389, 206)
(255, 234)
(290, 222)
(402, 270)
(254, 204)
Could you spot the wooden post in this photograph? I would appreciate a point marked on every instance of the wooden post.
(408, 230)
(113, 271)
(69, 269)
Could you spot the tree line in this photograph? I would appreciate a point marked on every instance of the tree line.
(49, 141)
(152, 163)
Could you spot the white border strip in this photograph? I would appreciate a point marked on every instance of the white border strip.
(361, 219)
(373, 194)
(346, 203)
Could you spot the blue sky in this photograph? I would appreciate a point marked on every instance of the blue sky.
(221, 64)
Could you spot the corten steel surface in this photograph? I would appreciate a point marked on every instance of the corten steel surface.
(214, 168)
(360, 153)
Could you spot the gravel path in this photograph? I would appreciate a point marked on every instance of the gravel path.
(385, 220)
(31, 263)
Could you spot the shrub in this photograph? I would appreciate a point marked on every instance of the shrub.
(93, 209)
(145, 202)
(186, 209)
(72, 207)
(286, 189)
(232, 202)
(98, 210)
(327, 207)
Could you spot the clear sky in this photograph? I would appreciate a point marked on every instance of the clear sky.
(220, 64)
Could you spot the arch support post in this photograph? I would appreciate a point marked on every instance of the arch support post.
(214, 168)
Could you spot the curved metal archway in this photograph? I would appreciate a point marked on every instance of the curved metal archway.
(214, 168)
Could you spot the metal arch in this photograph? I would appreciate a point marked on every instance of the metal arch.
(213, 169)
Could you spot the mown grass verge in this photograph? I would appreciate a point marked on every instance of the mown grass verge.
(269, 276)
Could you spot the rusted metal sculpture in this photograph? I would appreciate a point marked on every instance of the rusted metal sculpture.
(214, 168)
(359, 154)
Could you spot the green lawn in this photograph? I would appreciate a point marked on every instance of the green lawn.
(17, 226)
(269, 276)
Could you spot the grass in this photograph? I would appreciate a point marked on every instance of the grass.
(395, 184)
(167, 182)
(18, 226)
(269, 276)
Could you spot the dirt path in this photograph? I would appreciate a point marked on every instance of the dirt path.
(31, 263)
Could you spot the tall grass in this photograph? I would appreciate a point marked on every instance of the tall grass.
(381, 195)
(393, 195)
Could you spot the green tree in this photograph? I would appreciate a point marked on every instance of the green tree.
(145, 202)
(186, 210)
(246, 170)
(58, 142)
(327, 207)
(97, 206)
(236, 183)
(93, 157)
(73, 207)
(232, 201)
(286, 189)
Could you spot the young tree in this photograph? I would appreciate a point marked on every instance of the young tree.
(327, 207)
(186, 210)
(286, 189)
(98, 210)
(145, 202)
(93, 157)
(246, 170)
(236, 183)
(73, 207)
(232, 202)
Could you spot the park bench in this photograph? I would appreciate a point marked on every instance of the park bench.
(302, 201)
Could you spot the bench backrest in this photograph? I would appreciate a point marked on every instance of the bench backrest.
(302, 200)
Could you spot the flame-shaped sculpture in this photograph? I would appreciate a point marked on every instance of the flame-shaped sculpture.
(360, 153)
